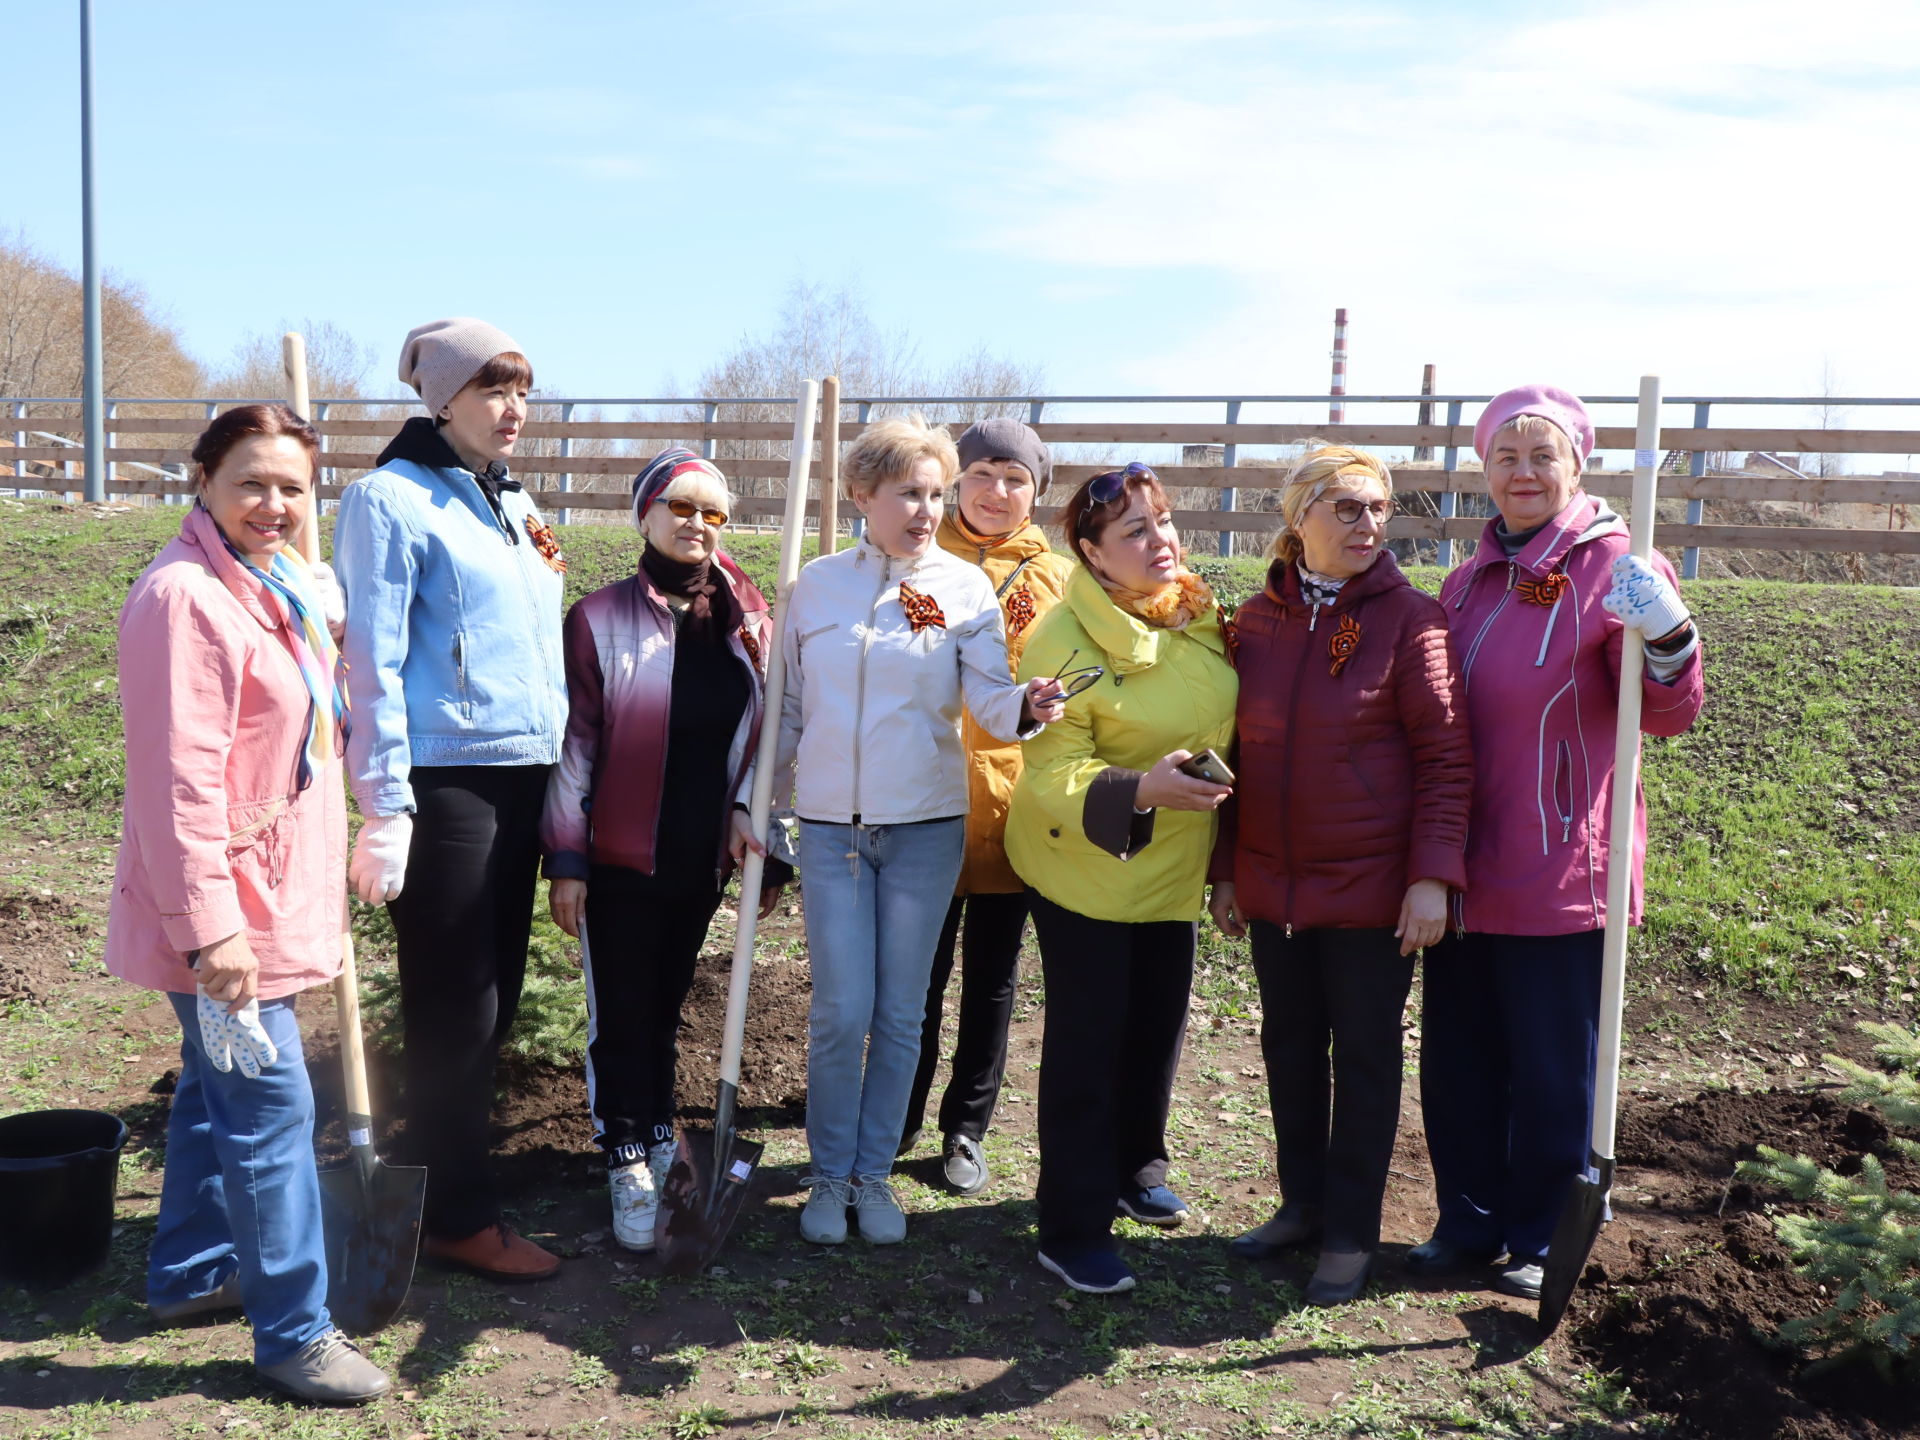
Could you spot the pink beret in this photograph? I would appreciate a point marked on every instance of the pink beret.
(1548, 403)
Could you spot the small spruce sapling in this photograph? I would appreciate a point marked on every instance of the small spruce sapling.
(1865, 1248)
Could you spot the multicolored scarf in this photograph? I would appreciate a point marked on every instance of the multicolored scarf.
(289, 584)
(1174, 606)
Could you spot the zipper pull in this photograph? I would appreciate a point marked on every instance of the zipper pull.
(1313, 620)
(1566, 831)
(1289, 932)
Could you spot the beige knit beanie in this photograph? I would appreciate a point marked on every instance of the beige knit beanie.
(440, 357)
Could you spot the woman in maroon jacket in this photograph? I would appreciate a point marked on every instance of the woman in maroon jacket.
(1339, 846)
(664, 705)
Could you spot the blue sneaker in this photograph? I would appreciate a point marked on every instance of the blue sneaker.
(1094, 1272)
(1158, 1206)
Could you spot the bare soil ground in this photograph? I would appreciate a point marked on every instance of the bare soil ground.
(957, 1331)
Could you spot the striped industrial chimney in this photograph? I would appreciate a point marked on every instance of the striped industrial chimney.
(1336, 395)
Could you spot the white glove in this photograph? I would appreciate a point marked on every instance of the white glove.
(379, 865)
(1644, 599)
(234, 1037)
(333, 600)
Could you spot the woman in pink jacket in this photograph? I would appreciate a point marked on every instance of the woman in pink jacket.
(229, 891)
(1512, 996)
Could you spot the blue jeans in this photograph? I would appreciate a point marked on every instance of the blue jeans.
(875, 897)
(241, 1192)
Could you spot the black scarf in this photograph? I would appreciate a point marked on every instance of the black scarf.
(712, 612)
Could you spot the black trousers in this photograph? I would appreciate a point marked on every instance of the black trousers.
(1116, 1018)
(462, 921)
(642, 946)
(1341, 991)
(989, 977)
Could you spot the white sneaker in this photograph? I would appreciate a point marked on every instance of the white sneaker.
(636, 1203)
(659, 1161)
(824, 1218)
(877, 1209)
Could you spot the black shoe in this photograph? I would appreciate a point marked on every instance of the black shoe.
(965, 1167)
(1520, 1277)
(1439, 1257)
(1338, 1292)
(907, 1143)
(1285, 1230)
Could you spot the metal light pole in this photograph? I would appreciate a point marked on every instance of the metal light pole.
(91, 405)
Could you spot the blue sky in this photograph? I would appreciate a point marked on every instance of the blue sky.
(1138, 197)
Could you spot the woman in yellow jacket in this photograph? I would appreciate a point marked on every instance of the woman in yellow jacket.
(1112, 839)
(1004, 467)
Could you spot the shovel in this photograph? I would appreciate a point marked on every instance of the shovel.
(369, 1212)
(1586, 1203)
(707, 1183)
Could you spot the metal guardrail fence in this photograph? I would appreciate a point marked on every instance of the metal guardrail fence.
(1233, 432)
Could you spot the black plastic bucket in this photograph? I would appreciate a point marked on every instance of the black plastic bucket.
(59, 1170)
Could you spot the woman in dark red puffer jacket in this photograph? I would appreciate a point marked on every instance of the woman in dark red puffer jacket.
(1346, 830)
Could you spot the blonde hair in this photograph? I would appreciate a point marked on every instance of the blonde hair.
(1309, 479)
(889, 449)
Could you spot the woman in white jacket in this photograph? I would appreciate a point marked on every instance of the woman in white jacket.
(884, 645)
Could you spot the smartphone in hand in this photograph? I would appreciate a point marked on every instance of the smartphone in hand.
(1208, 766)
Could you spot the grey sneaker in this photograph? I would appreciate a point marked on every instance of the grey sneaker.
(329, 1371)
(824, 1220)
(882, 1221)
(966, 1166)
(224, 1296)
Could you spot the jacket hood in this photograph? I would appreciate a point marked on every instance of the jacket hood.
(1130, 644)
(1023, 544)
(200, 531)
(1586, 517)
(1283, 584)
(424, 443)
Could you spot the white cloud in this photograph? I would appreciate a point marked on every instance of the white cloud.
(1697, 184)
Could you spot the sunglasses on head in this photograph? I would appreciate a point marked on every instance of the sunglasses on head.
(686, 509)
(1347, 509)
(1073, 681)
(1105, 489)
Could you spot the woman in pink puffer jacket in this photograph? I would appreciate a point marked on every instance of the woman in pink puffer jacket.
(1512, 996)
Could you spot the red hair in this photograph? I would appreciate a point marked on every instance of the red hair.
(1084, 519)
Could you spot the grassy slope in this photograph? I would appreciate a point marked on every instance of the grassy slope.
(1786, 838)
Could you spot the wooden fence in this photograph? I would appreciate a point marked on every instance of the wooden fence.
(57, 468)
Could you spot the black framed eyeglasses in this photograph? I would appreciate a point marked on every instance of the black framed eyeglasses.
(1105, 489)
(1347, 510)
(686, 509)
(1073, 682)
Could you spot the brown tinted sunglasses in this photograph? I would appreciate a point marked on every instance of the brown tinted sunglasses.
(686, 509)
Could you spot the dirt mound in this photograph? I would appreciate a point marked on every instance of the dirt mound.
(38, 945)
(1690, 1303)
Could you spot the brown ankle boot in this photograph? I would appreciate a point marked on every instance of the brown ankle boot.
(495, 1253)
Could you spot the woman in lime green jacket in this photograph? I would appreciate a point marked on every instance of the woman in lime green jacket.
(1112, 838)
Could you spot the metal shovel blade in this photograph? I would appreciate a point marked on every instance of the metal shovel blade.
(705, 1188)
(370, 1213)
(1573, 1237)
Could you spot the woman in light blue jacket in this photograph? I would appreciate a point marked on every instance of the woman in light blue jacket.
(458, 689)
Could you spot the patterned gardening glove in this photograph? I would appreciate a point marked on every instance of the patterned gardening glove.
(1644, 599)
(234, 1037)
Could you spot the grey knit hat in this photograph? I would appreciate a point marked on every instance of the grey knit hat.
(1005, 439)
(440, 357)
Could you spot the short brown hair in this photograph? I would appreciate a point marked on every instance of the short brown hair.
(1083, 518)
(889, 449)
(509, 367)
(235, 425)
